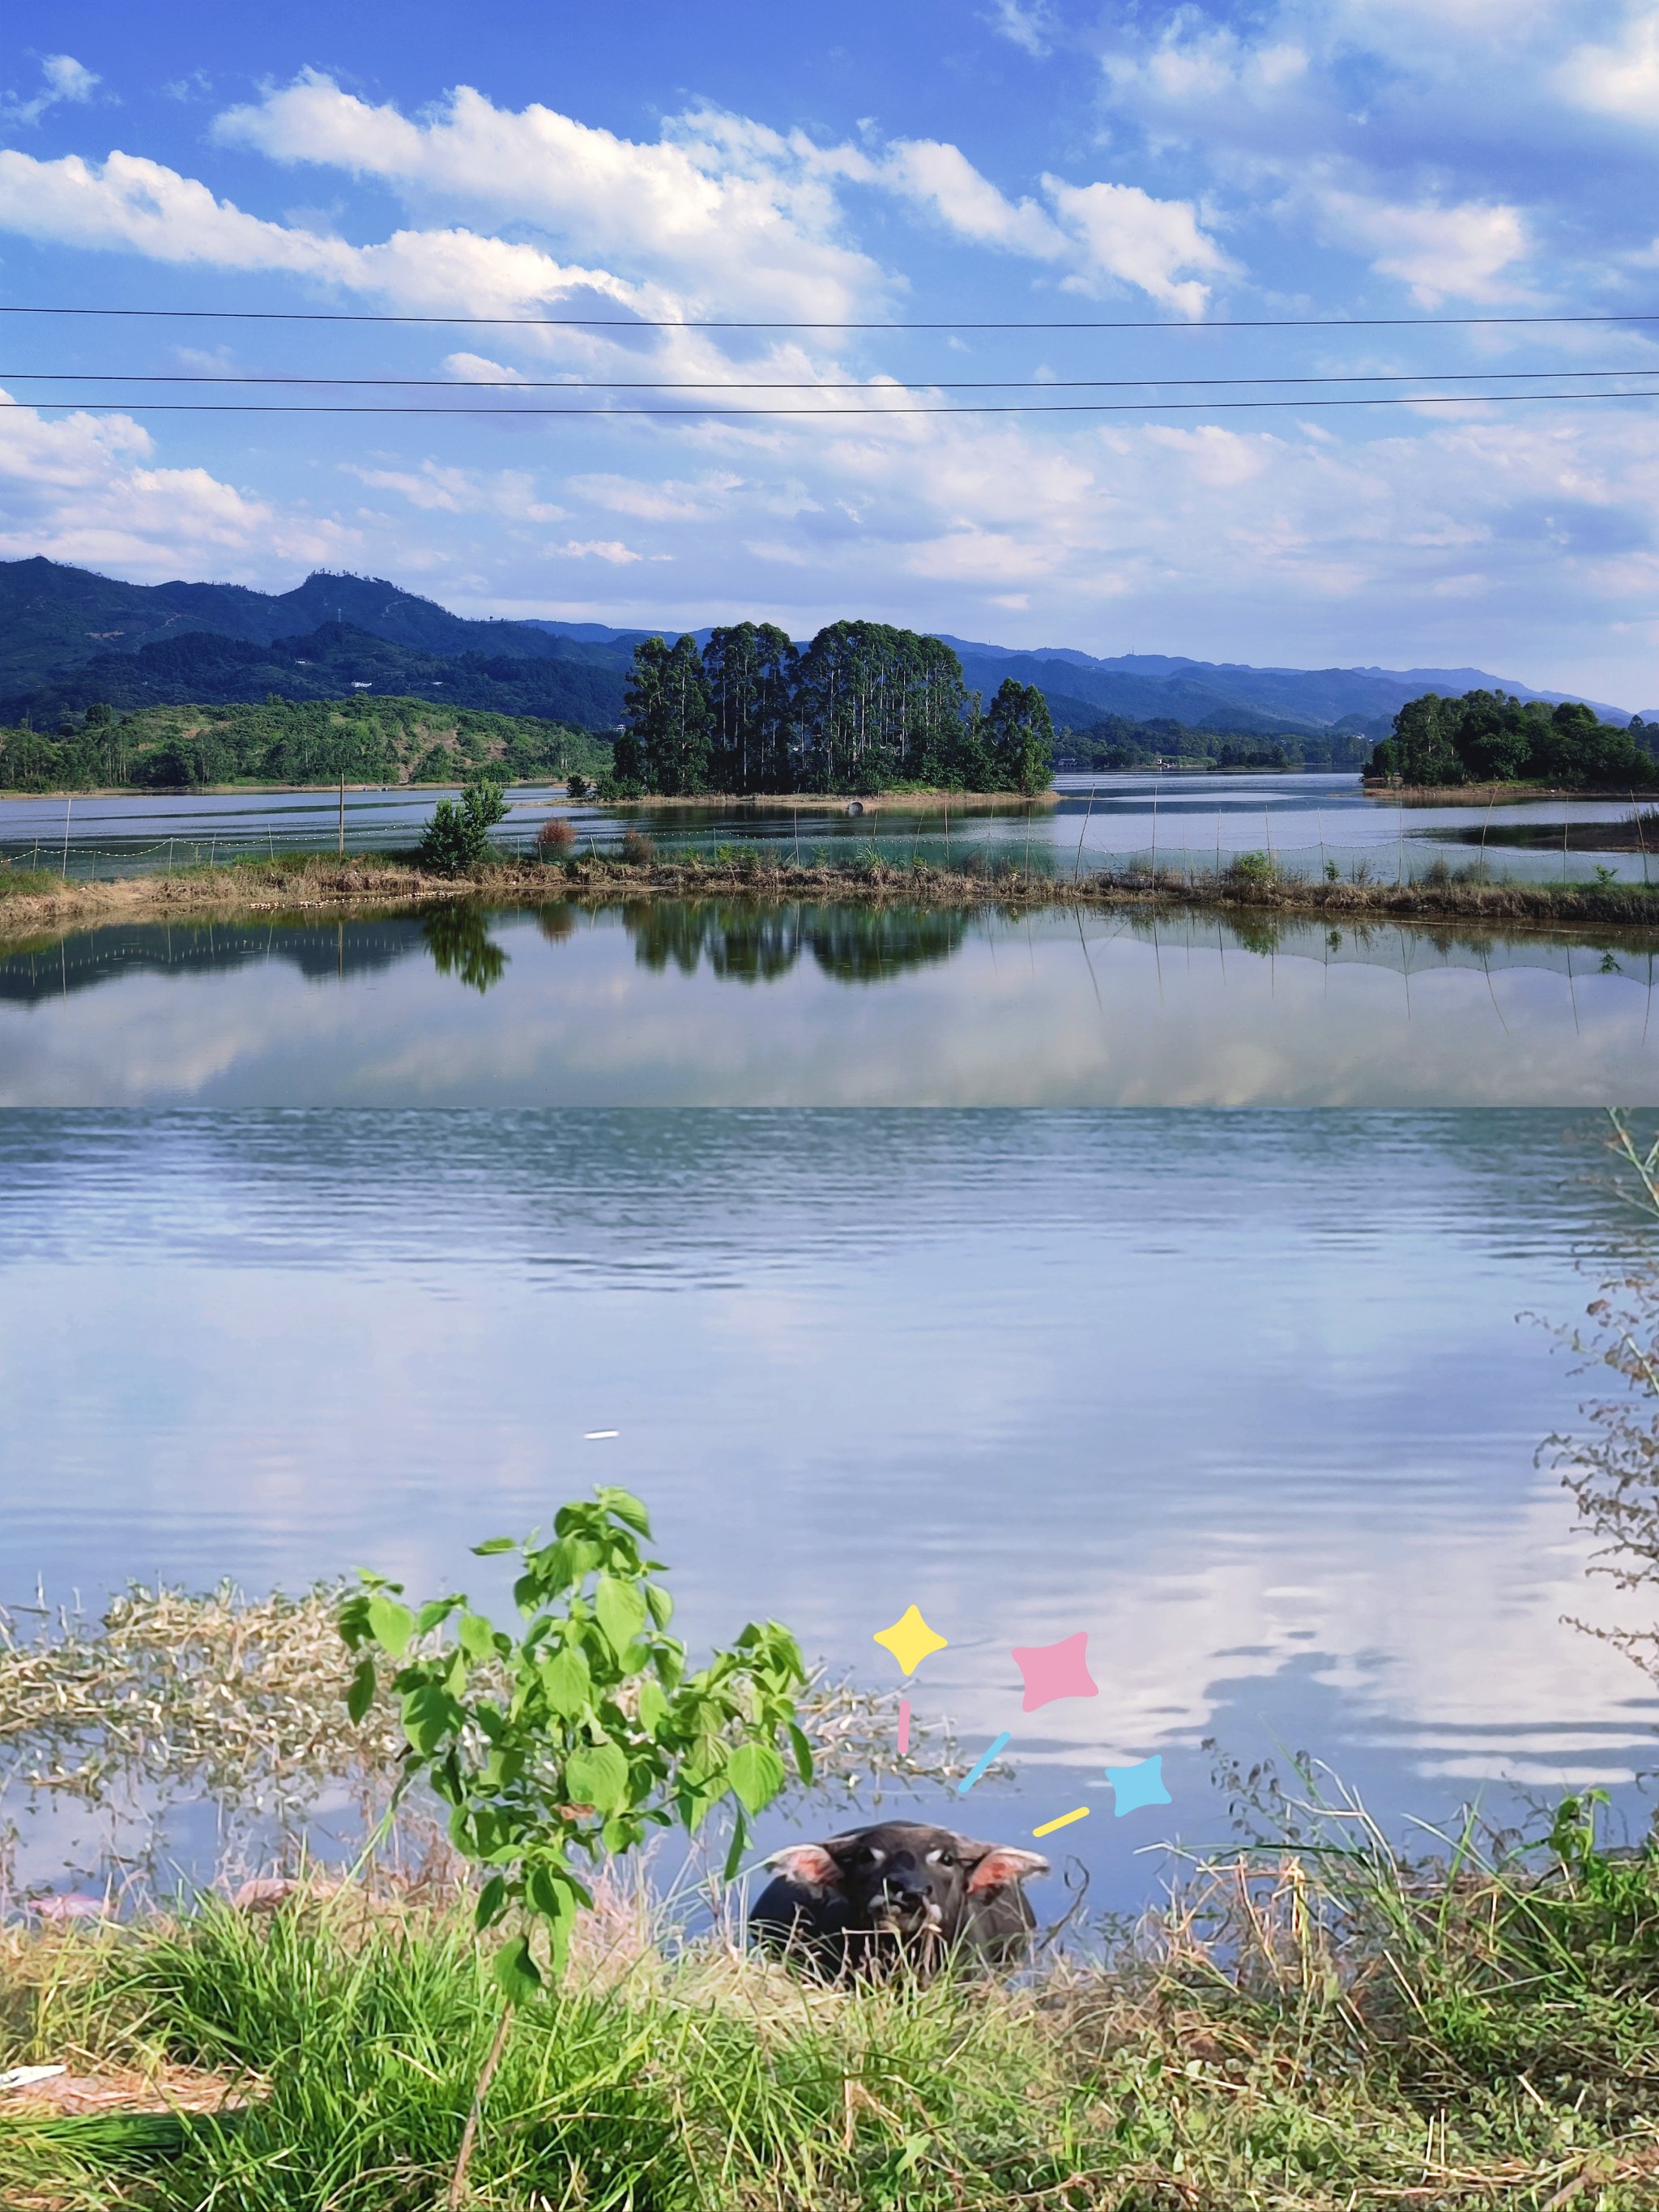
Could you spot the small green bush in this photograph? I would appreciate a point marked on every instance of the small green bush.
(457, 839)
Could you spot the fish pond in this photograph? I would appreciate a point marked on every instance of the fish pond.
(1254, 1400)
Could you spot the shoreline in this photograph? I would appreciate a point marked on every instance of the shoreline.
(299, 885)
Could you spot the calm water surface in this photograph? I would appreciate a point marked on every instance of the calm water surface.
(1304, 821)
(1244, 1395)
(676, 1003)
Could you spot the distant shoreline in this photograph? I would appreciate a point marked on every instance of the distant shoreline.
(295, 885)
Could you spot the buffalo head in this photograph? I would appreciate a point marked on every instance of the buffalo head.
(896, 1893)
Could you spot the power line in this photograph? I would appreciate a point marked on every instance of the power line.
(692, 322)
(864, 383)
(843, 414)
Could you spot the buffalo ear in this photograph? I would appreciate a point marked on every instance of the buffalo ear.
(1003, 1864)
(808, 1864)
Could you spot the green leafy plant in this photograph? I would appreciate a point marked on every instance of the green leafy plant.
(576, 1735)
(457, 838)
(583, 1731)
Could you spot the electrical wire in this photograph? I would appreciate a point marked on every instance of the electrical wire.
(841, 414)
(866, 385)
(693, 323)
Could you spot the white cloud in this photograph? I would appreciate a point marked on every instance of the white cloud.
(731, 214)
(1098, 232)
(509, 494)
(1460, 252)
(66, 80)
(600, 548)
(132, 204)
(941, 179)
(85, 488)
(1029, 23)
(1133, 238)
(1620, 79)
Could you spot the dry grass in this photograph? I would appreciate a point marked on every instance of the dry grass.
(38, 910)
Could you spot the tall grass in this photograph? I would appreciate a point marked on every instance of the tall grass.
(1322, 2025)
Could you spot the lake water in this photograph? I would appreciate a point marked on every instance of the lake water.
(1182, 821)
(668, 1003)
(1245, 1397)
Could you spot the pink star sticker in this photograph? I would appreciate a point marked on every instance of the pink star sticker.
(1055, 1670)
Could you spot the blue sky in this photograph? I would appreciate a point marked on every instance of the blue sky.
(1015, 160)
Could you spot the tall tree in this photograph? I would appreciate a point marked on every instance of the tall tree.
(1020, 738)
(749, 671)
(666, 711)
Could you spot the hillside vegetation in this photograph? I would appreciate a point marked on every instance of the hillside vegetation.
(291, 741)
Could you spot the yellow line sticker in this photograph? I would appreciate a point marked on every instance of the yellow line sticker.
(1064, 1821)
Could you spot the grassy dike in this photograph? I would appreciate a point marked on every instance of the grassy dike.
(1315, 2028)
(37, 904)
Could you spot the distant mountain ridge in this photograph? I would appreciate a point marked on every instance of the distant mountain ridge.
(69, 635)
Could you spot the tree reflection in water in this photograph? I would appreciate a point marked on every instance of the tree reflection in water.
(458, 937)
(748, 944)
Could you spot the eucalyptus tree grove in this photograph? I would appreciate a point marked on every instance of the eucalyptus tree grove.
(863, 708)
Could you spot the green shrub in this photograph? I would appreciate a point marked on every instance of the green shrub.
(457, 838)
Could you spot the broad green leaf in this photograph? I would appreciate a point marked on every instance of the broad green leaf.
(567, 1683)
(661, 1605)
(652, 1707)
(360, 1695)
(391, 1624)
(489, 1548)
(552, 1890)
(619, 1609)
(429, 1714)
(596, 1774)
(517, 1972)
(477, 1637)
(626, 1507)
(438, 1609)
(755, 1775)
(492, 1902)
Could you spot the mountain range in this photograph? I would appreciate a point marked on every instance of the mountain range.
(69, 637)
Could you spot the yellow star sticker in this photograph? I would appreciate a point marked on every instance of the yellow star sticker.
(910, 1639)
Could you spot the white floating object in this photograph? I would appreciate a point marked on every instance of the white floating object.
(592, 1435)
(25, 2077)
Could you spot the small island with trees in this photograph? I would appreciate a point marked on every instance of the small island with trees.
(863, 708)
(1491, 738)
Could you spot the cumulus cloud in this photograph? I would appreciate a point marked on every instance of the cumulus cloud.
(736, 216)
(66, 79)
(87, 489)
(129, 204)
(1098, 232)
(1131, 238)
(1460, 252)
(1620, 78)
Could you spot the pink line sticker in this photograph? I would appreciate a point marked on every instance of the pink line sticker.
(904, 1726)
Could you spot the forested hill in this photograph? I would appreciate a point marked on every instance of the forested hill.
(69, 637)
(334, 662)
(54, 618)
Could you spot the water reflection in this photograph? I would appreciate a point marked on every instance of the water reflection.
(458, 937)
(634, 1003)
(747, 943)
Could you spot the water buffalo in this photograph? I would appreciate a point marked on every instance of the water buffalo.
(896, 1893)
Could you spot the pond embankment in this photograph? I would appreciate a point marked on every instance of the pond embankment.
(35, 903)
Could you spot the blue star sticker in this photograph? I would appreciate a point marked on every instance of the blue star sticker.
(1135, 1786)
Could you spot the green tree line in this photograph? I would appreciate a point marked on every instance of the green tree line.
(293, 742)
(1491, 737)
(863, 708)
